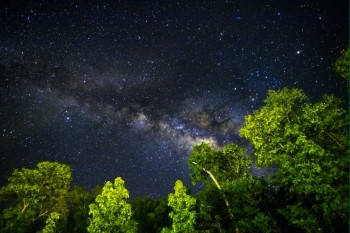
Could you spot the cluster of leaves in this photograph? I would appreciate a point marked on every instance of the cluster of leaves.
(111, 212)
(37, 197)
(308, 142)
(231, 199)
(183, 214)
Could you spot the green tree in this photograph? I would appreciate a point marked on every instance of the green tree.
(219, 166)
(183, 212)
(211, 210)
(245, 197)
(111, 212)
(309, 143)
(341, 65)
(38, 197)
(141, 207)
(208, 165)
(150, 215)
(79, 201)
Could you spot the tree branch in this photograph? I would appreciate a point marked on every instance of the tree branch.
(333, 138)
(25, 207)
(219, 187)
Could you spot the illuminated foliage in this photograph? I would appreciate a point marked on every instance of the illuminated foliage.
(183, 214)
(227, 164)
(111, 212)
(51, 223)
(231, 197)
(40, 197)
(309, 143)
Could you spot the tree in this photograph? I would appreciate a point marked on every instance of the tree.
(160, 215)
(219, 166)
(245, 197)
(141, 207)
(209, 165)
(341, 65)
(309, 143)
(111, 212)
(212, 212)
(183, 213)
(150, 215)
(79, 201)
(37, 196)
(246, 207)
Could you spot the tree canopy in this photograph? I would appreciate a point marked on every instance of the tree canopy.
(111, 212)
(228, 163)
(183, 214)
(39, 196)
(231, 194)
(309, 143)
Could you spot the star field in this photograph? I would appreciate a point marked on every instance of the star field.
(126, 88)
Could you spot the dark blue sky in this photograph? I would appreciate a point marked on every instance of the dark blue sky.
(126, 88)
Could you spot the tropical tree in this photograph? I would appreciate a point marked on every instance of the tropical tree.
(231, 197)
(309, 143)
(37, 197)
(246, 206)
(209, 165)
(111, 212)
(183, 212)
(219, 166)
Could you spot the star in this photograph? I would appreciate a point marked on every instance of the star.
(126, 90)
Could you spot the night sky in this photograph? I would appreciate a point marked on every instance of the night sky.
(126, 88)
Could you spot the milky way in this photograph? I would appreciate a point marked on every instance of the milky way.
(126, 88)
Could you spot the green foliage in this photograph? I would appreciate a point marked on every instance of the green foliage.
(79, 201)
(265, 128)
(39, 195)
(341, 65)
(245, 196)
(211, 210)
(51, 223)
(111, 212)
(309, 143)
(183, 214)
(160, 216)
(233, 203)
(141, 207)
(227, 164)
(151, 215)
(262, 223)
